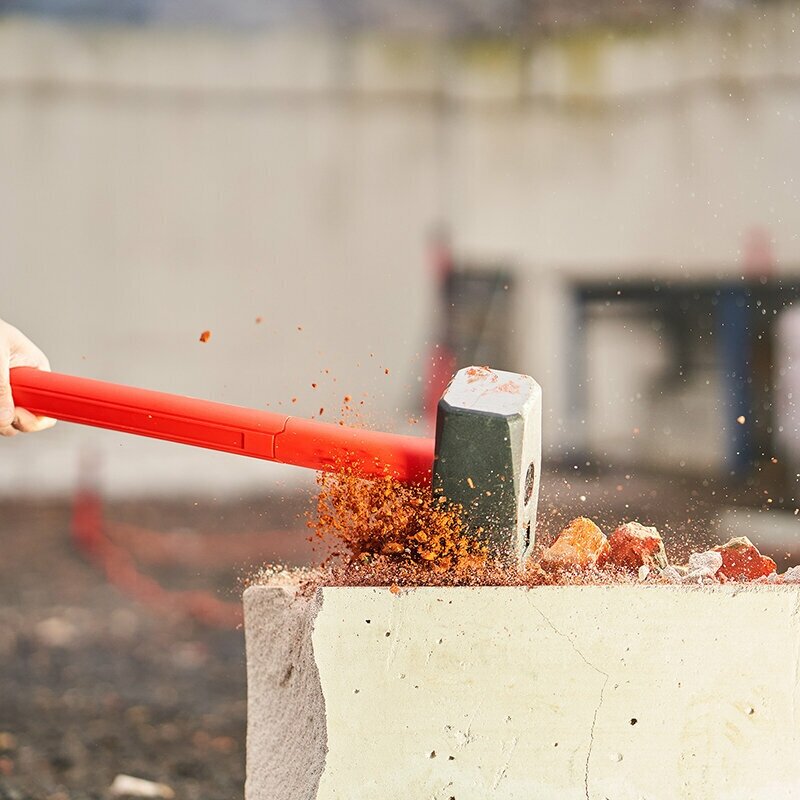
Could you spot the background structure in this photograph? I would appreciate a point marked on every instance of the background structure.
(171, 176)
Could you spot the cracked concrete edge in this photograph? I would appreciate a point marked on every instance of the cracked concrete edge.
(286, 720)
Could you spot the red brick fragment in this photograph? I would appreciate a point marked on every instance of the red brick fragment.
(634, 545)
(742, 561)
(580, 545)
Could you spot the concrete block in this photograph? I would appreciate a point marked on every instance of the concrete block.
(620, 692)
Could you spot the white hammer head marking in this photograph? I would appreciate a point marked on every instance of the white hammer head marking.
(489, 455)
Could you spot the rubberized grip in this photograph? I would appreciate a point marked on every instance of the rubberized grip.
(218, 426)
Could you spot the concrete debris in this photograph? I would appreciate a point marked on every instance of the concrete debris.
(742, 561)
(703, 565)
(580, 545)
(634, 545)
(56, 632)
(128, 786)
(792, 575)
(643, 572)
(671, 574)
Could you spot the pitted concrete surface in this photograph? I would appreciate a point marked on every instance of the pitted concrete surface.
(619, 692)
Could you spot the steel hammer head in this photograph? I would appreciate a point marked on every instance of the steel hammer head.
(489, 455)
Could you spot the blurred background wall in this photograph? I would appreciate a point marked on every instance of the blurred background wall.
(607, 200)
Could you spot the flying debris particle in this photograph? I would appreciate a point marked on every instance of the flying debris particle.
(313, 385)
(386, 371)
(321, 411)
(580, 545)
(259, 320)
(347, 398)
(205, 336)
(470, 483)
(741, 419)
(294, 399)
(741, 560)
(399, 530)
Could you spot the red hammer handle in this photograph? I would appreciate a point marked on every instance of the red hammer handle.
(218, 426)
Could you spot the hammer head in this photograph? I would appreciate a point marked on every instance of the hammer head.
(489, 455)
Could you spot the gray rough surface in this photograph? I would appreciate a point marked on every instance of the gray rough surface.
(286, 732)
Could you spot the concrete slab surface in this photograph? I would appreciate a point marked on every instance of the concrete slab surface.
(618, 692)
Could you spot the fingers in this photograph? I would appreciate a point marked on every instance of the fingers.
(6, 400)
(8, 430)
(16, 350)
(25, 422)
(22, 352)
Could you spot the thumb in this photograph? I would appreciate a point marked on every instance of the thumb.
(6, 400)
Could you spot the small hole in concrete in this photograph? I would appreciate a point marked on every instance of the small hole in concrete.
(368, 621)
(451, 758)
(634, 721)
(388, 633)
(556, 744)
(750, 711)
(287, 675)
(529, 480)
(433, 754)
(356, 691)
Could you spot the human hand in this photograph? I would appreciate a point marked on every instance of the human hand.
(16, 350)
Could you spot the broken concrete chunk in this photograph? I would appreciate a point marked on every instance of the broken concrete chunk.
(672, 575)
(792, 575)
(634, 545)
(128, 786)
(703, 565)
(580, 545)
(742, 561)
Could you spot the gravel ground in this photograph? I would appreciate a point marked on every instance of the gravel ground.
(93, 684)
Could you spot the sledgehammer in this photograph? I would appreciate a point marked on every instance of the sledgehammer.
(486, 455)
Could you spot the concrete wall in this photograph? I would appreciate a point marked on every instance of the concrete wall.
(157, 183)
